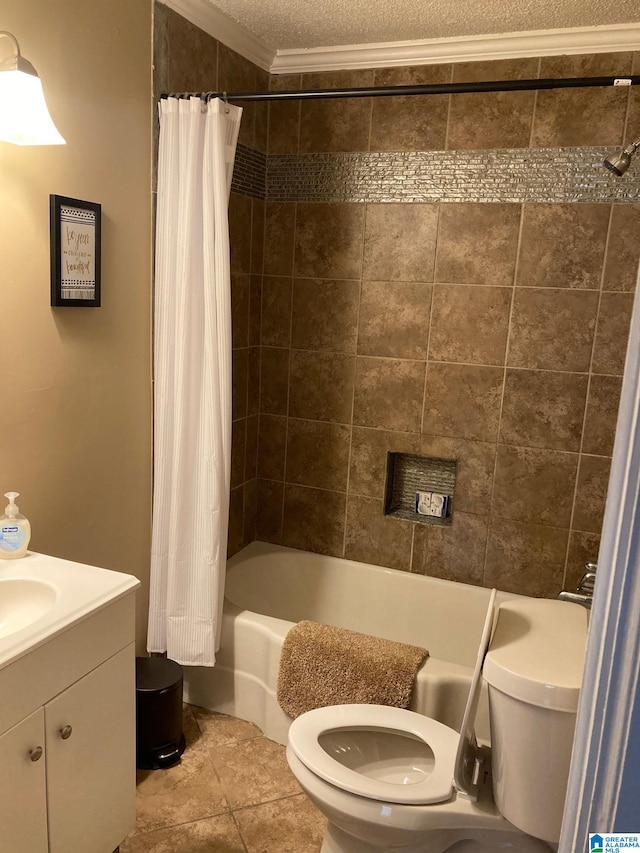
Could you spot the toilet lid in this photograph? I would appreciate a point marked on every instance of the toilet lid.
(424, 775)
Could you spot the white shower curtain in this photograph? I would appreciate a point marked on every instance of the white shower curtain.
(192, 355)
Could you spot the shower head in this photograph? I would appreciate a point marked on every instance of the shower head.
(620, 162)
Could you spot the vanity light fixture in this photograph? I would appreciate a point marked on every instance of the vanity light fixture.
(24, 117)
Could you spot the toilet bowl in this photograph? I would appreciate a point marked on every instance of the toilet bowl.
(377, 773)
(388, 779)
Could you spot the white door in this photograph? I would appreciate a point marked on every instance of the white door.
(91, 774)
(23, 799)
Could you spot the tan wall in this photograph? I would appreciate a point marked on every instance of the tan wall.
(490, 333)
(75, 418)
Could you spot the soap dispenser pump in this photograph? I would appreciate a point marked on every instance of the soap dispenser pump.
(15, 530)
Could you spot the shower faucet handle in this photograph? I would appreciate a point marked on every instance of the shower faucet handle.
(588, 579)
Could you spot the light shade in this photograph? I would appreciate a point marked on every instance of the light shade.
(24, 117)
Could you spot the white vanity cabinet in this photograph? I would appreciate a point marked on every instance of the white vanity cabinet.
(67, 738)
(23, 813)
(90, 751)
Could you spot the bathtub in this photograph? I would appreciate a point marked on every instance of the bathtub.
(269, 588)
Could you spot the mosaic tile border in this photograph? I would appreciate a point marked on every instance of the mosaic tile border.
(545, 175)
(249, 173)
(508, 175)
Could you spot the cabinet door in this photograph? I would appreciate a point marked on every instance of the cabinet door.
(91, 774)
(23, 799)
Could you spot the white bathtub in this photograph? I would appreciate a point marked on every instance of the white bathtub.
(268, 588)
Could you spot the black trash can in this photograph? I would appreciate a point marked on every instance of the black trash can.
(159, 738)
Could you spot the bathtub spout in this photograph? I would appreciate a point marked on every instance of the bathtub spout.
(584, 591)
(583, 598)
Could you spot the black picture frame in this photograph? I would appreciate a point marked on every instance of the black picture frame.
(75, 252)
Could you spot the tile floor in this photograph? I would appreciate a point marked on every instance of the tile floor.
(232, 792)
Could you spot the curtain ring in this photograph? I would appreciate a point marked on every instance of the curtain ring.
(226, 103)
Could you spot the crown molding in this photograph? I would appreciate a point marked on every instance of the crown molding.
(614, 38)
(607, 39)
(225, 29)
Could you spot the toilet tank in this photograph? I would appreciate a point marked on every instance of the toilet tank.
(534, 671)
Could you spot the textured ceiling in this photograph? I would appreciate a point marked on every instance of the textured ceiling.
(283, 24)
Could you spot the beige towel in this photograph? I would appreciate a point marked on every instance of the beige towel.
(321, 665)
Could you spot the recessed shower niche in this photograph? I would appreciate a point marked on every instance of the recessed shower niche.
(419, 488)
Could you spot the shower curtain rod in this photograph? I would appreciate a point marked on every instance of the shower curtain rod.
(422, 89)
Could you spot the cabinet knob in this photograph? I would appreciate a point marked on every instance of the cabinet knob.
(65, 732)
(35, 754)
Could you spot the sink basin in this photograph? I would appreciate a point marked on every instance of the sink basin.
(22, 602)
(42, 597)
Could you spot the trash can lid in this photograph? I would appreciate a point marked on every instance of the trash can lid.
(157, 673)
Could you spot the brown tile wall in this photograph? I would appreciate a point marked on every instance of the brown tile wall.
(188, 60)
(490, 333)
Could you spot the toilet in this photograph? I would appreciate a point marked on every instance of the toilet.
(391, 779)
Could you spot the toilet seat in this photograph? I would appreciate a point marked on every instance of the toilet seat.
(436, 786)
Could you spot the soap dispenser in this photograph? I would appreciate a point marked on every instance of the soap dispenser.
(15, 530)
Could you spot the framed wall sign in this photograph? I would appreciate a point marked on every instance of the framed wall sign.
(75, 252)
